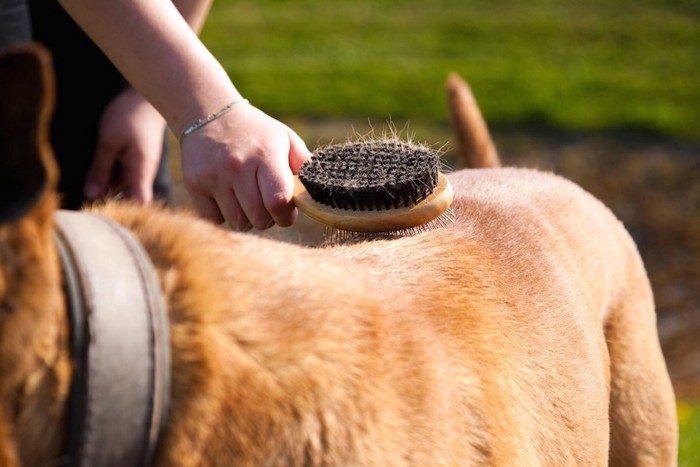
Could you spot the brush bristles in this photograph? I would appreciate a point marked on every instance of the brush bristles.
(334, 236)
(371, 175)
(372, 189)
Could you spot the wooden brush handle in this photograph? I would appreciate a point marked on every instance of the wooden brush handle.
(377, 221)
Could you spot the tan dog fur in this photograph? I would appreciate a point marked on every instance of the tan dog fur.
(475, 149)
(522, 335)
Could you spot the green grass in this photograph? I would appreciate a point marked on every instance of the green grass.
(568, 65)
(689, 446)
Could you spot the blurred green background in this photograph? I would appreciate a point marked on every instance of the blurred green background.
(598, 64)
(563, 67)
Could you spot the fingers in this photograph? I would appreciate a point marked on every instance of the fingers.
(129, 146)
(276, 184)
(222, 208)
(206, 207)
(240, 168)
(138, 187)
(100, 171)
(137, 175)
(242, 207)
(261, 199)
(260, 202)
(276, 187)
(134, 179)
(299, 154)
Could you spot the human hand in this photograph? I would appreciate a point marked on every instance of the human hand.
(239, 167)
(129, 147)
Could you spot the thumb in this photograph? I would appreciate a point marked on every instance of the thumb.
(298, 152)
(100, 171)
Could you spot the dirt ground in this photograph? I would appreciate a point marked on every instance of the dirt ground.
(651, 183)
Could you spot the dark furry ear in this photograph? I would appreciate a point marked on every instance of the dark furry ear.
(27, 166)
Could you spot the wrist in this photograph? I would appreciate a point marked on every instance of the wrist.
(200, 122)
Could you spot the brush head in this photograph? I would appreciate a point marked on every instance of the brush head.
(373, 186)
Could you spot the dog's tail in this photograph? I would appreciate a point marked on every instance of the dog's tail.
(475, 148)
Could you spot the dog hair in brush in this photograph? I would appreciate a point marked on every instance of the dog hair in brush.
(376, 188)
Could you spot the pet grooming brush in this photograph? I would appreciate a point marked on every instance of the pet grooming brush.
(379, 188)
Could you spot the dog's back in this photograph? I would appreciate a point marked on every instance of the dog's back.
(523, 334)
(493, 341)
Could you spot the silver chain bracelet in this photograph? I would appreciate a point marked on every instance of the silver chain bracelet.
(203, 121)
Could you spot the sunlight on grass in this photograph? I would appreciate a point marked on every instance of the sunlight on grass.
(689, 424)
(571, 65)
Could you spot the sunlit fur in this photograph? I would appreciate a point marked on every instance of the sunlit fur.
(521, 334)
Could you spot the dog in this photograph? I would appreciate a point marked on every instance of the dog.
(522, 334)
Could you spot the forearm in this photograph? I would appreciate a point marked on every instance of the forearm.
(194, 11)
(158, 52)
